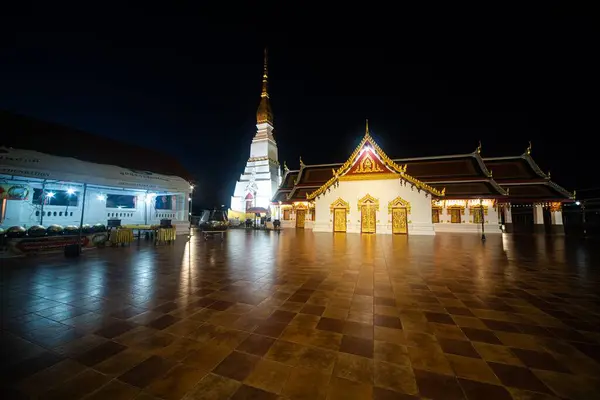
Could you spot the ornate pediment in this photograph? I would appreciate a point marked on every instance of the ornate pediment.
(368, 161)
(368, 200)
(340, 203)
(399, 202)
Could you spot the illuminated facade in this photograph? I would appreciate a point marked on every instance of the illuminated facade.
(262, 176)
(372, 193)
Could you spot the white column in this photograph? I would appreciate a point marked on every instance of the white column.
(507, 213)
(538, 219)
(557, 222)
(508, 226)
(556, 218)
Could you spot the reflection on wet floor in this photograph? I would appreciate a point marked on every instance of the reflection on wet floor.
(297, 315)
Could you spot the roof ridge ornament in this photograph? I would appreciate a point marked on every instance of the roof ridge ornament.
(528, 151)
(285, 167)
(367, 128)
(302, 165)
(479, 148)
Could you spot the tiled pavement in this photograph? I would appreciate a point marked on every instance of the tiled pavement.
(307, 316)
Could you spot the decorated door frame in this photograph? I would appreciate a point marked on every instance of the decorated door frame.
(368, 207)
(339, 209)
(300, 211)
(399, 210)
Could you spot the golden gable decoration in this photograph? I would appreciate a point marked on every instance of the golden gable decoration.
(368, 200)
(371, 168)
(398, 202)
(339, 203)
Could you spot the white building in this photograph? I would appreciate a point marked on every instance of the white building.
(43, 189)
(372, 193)
(261, 177)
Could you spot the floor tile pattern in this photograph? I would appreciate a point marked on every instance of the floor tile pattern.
(297, 315)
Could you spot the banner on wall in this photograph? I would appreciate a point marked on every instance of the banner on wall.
(14, 191)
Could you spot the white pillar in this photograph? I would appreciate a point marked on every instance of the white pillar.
(508, 225)
(538, 219)
(556, 217)
(557, 222)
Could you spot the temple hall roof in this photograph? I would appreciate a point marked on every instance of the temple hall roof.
(469, 175)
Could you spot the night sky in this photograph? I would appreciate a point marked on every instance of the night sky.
(186, 81)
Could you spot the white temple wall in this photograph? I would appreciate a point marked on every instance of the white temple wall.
(468, 218)
(25, 213)
(386, 190)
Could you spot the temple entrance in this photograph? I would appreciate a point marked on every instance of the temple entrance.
(300, 218)
(399, 222)
(399, 209)
(368, 207)
(368, 219)
(339, 209)
(339, 220)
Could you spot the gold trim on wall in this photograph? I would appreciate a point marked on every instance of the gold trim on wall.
(398, 202)
(476, 208)
(339, 203)
(362, 177)
(461, 208)
(367, 201)
(398, 170)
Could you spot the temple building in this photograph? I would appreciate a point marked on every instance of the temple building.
(373, 193)
(261, 176)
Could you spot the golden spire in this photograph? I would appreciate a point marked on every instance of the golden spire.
(367, 127)
(264, 112)
(265, 78)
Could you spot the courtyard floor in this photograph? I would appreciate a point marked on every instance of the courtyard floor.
(298, 315)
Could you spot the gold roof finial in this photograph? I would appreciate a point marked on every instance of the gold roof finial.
(479, 147)
(528, 151)
(285, 167)
(367, 127)
(301, 162)
(265, 78)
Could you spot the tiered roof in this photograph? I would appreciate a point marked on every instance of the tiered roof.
(524, 179)
(461, 176)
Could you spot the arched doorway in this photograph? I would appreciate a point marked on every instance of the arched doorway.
(300, 215)
(249, 201)
(399, 208)
(339, 209)
(368, 207)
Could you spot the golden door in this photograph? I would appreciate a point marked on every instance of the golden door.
(339, 220)
(300, 217)
(399, 220)
(368, 219)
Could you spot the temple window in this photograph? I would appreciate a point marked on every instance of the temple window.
(165, 202)
(435, 215)
(454, 215)
(477, 217)
(249, 201)
(286, 215)
(121, 201)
